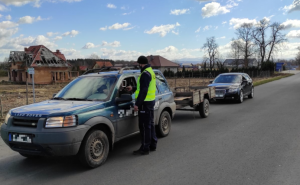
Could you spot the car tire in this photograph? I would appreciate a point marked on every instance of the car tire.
(241, 97)
(29, 156)
(204, 108)
(251, 95)
(164, 125)
(94, 149)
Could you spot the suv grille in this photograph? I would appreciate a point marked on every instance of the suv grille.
(26, 122)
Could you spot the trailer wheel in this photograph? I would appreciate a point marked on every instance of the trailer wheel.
(164, 125)
(204, 108)
(94, 149)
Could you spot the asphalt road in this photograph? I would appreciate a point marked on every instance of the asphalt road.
(256, 142)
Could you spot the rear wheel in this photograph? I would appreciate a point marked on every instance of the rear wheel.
(204, 108)
(164, 125)
(251, 95)
(94, 149)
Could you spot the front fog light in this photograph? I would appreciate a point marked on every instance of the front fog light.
(58, 122)
(6, 118)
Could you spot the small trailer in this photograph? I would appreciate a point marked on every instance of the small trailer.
(194, 98)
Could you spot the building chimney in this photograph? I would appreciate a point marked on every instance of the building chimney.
(57, 51)
(25, 49)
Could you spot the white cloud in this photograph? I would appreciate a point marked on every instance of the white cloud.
(225, 22)
(111, 6)
(294, 34)
(0, 15)
(18, 2)
(118, 26)
(73, 33)
(204, 0)
(123, 8)
(208, 27)
(216, 27)
(119, 54)
(176, 33)
(89, 45)
(3, 8)
(103, 28)
(20, 42)
(29, 20)
(71, 53)
(214, 9)
(6, 33)
(58, 38)
(172, 53)
(236, 22)
(179, 11)
(8, 24)
(128, 13)
(129, 28)
(198, 30)
(295, 6)
(112, 44)
(291, 24)
(8, 17)
(163, 29)
(222, 37)
(50, 34)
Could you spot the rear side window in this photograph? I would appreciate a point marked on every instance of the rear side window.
(162, 84)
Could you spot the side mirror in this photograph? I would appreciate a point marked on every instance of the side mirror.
(54, 95)
(124, 98)
(211, 81)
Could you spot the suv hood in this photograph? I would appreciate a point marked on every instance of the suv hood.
(45, 108)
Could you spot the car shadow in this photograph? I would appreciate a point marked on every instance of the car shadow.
(224, 102)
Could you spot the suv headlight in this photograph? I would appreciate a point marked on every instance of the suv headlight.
(58, 122)
(7, 117)
(232, 90)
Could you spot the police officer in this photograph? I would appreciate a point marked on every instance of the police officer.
(145, 101)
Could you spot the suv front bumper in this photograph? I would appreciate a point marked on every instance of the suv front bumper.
(45, 142)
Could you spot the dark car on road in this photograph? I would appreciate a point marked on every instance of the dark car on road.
(233, 86)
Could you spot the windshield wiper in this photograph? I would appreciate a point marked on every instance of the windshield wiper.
(79, 99)
(58, 98)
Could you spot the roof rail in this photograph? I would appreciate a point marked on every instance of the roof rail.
(96, 70)
(121, 70)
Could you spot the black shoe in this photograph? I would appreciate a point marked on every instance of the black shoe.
(140, 152)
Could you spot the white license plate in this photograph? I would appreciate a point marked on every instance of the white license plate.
(220, 95)
(23, 138)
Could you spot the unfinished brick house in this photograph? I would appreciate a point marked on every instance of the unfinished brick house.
(49, 66)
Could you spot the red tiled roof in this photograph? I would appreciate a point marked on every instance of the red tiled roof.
(60, 55)
(82, 68)
(104, 63)
(158, 61)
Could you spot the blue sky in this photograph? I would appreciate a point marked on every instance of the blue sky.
(117, 29)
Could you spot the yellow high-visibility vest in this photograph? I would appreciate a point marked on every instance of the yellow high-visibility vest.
(152, 86)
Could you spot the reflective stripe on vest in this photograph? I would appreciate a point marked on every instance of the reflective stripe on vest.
(152, 86)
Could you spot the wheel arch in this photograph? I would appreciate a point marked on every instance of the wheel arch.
(105, 125)
(163, 107)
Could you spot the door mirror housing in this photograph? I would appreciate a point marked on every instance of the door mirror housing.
(124, 98)
(54, 95)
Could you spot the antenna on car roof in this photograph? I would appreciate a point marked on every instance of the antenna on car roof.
(96, 70)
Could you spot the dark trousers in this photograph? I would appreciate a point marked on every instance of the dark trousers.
(146, 125)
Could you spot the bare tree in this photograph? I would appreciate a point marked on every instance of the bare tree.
(259, 36)
(211, 49)
(93, 56)
(248, 47)
(236, 51)
(277, 38)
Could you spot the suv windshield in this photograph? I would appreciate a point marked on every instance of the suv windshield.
(228, 79)
(87, 88)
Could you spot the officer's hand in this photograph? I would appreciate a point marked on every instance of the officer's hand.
(129, 88)
(136, 108)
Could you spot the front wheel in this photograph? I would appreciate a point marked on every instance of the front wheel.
(94, 149)
(204, 108)
(251, 95)
(164, 125)
(241, 97)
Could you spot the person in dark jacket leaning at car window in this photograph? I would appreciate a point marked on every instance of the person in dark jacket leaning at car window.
(145, 101)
